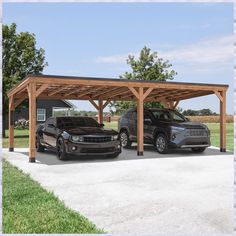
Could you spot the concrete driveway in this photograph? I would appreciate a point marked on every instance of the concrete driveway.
(176, 193)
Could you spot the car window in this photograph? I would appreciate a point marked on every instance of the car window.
(128, 115)
(161, 115)
(177, 116)
(147, 116)
(134, 115)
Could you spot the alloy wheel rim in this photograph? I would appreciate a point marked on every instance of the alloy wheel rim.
(59, 149)
(160, 144)
(124, 139)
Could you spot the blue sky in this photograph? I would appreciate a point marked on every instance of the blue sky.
(88, 39)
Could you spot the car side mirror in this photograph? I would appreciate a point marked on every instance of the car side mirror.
(147, 121)
(187, 119)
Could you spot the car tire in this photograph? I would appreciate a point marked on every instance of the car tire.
(124, 139)
(114, 155)
(199, 150)
(39, 146)
(61, 150)
(161, 144)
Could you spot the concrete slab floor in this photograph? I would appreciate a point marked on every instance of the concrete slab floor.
(180, 192)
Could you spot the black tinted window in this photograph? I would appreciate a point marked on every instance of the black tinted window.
(134, 115)
(161, 115)
(64, 122)
(176, 116)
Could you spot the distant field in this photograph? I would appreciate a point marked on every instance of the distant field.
(22, 136)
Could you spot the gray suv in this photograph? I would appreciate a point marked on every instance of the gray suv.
(165, 129)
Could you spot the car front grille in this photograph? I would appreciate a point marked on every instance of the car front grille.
(93, 139)
(97, 150)
(197, 132)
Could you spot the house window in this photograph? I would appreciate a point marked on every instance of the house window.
(41, 114)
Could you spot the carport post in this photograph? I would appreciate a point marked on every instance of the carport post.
(140, 123)
(11, 124)
(223, 121)
(100, 110)
(32, 120)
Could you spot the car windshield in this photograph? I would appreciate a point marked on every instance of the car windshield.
(176, 116)
(168, 115)
(73, 122)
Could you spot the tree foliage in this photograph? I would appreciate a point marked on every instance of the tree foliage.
(20, 57)
(202, 112)
(148, 66)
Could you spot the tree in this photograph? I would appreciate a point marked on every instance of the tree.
(148, 66)
(202, 112)
(20, 57)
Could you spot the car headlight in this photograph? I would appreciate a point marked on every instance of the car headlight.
(77, 138)
(177, 129)
(114, 137)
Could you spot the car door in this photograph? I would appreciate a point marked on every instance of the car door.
(148, 127)
(50, 132)
(133, 125)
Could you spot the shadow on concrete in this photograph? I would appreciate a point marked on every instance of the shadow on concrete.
(50, 158)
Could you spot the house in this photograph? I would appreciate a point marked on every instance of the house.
(45, 109)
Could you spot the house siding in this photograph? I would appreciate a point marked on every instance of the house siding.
(44, 104)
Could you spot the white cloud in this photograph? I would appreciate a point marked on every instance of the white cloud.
(217, 50)
(201, 57)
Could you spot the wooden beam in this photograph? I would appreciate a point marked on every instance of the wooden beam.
(117, 83)
(41, 89)
(86, 92)
(72, 91)
(113, 93)
(58, 90)
(11, 124)
(218, 95)
(111, 90)
(192, 95)
(32, 121)
(140, 122)
(223, 122)
(19, 101)
(100, 111)
(106, 103)
(175, 105)
(149, 90)
(133, 90)
(93, 103)
(171, 104)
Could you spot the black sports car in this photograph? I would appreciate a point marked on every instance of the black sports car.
(77, 135)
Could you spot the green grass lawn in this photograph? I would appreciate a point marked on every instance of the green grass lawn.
(28, 208)
(22, 139)
(215, 138)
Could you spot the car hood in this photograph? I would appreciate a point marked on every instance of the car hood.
(91, 130)
(190, 125)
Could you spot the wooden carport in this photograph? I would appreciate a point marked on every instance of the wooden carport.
(101, 91)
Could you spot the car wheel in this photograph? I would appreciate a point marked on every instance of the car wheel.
(39, 147)
(161, 144)
(61, 150)
(199, 150)
(124, 139)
